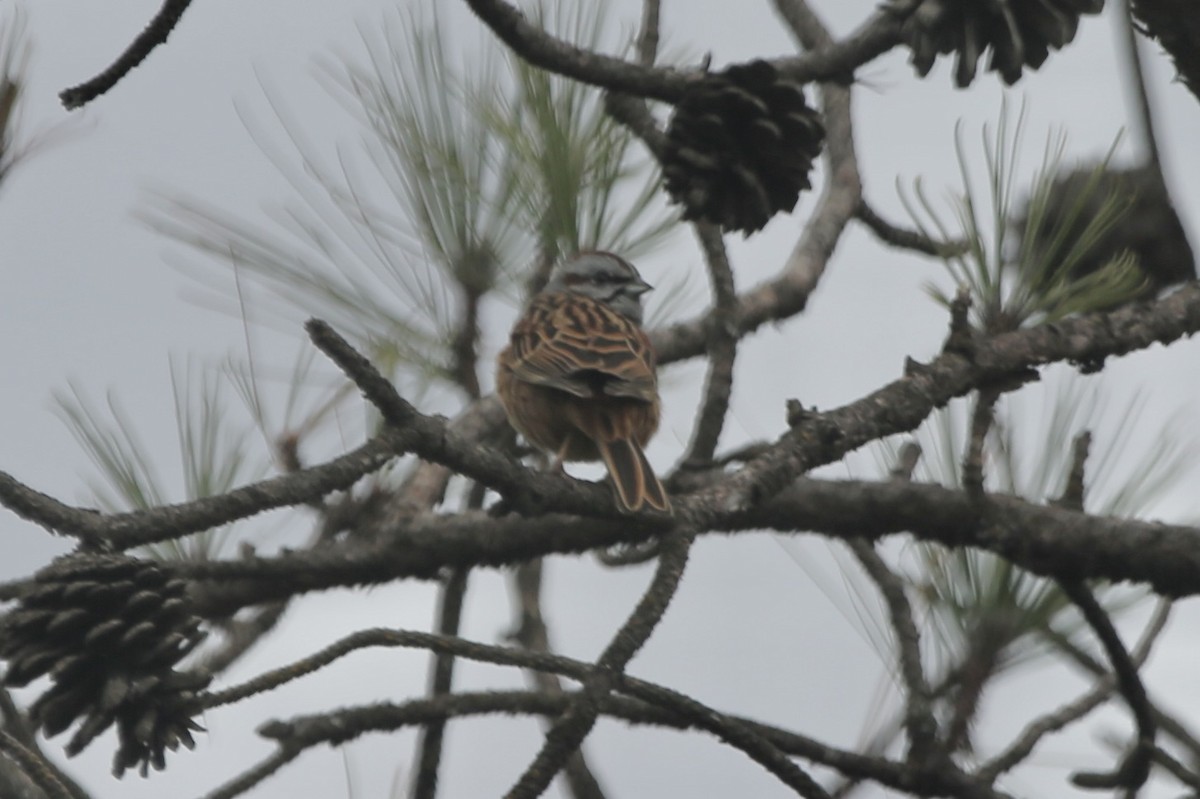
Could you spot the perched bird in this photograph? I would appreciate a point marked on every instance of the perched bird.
(578, 376)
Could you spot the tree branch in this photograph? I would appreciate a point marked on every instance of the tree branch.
(154, 34)
(654, 704)
(648, 32)
(1177, 769)
(1135, 768)
(1167, 723)
(340, 726)
(806, 26)
(34, 766)
(1025, 743)
(450, 604)
(905, 239)
(120, 531)
(902, 405)
(531, 633)
(248, 779)
(919, 722)
(1040, 539)
(722, 350)
(568, 731)
(983, 414)
(15, 722)
(877, 35)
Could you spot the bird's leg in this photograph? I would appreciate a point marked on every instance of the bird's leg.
(558, 465)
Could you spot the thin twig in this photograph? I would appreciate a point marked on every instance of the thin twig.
(381, 637)
(541, 49)
(16, 723)
(1033, 733)
(806, 26)
(647, 40)
(1176, 769)
(532, 634)
(568, 731)
(464, 346)
(633, 113)
(1169, 724)
(761, 742)
(1039, 728)
(906, 239)
(34, 766)
(983, 414)
(630, 110)
(121, 531)
(738, 733)
(256, 774)
(1135, 768)
(878, 34)
(919, 722)
(154, 34)
(429, 746)
(906, 461)
(346, 724)
(482, 422)
(722, 350)
(240, 636)
(450, 606)
(1073, 493)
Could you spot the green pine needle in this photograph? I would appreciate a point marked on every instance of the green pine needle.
(215, 448)
(1012, 281)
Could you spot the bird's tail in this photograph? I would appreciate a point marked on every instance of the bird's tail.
(634, 481)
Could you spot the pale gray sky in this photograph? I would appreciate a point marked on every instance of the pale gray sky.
(89, 298)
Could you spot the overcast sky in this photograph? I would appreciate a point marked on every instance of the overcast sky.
(90, 298)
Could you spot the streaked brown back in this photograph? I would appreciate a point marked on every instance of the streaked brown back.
(584, 348)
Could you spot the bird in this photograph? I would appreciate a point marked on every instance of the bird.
(578, 379)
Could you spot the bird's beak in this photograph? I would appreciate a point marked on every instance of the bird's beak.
(641, 287)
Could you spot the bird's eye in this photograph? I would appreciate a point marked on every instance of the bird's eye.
(604, 277)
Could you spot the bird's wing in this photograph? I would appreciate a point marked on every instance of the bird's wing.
(578, 345)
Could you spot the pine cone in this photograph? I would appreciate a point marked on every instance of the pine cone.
(1149, 227)
(1019, 33)
(740, 147)
(108, 630)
